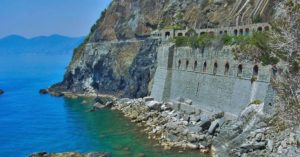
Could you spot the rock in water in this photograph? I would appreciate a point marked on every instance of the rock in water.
(1, 91)
(43, 91)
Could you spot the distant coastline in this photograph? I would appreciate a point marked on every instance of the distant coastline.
(54, 44)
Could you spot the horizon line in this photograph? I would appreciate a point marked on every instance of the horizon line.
(42, 35)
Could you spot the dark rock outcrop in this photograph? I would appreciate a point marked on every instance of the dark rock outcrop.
(43, 91)
(125, 69)
(1, 91)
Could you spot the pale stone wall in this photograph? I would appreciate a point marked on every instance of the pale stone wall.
(181, 73)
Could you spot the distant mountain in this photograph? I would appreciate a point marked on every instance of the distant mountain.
(54, 44)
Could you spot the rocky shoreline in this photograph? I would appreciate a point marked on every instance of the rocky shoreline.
(171, 126)
(177, 124)
(174, 125)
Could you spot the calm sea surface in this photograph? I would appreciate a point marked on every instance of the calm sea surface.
(30, 122)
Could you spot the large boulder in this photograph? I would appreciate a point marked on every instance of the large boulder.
(148, 98)
(213, 127)
(153, 105)
(98, 106)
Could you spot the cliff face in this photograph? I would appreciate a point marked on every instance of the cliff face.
(116, 59)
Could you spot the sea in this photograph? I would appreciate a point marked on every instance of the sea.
(30, 122)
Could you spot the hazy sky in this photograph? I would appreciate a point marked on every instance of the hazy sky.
(31, 18)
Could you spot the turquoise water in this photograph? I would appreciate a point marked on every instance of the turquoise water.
(30, 122)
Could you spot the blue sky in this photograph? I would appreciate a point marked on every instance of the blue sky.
(32, 18)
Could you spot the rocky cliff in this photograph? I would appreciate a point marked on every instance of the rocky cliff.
(116, 59)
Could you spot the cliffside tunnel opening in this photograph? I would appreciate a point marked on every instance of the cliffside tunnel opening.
(226, 69)
(260, 29)
(247, 31)
(235, 32)
(255, 70)
(187, 64)
(215, 68)
(240, 70)
(167, 34)
(204, 66)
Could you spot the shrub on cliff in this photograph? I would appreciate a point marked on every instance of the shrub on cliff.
(194, 41)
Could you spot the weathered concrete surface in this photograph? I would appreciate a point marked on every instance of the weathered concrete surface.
(182, 72)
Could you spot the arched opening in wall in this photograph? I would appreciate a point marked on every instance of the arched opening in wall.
(179, 64)
(215, 68)
(202, 33)
(187, 64)
(167, 34)
(240, 70)
(226, 32)
(259, 29)
(195, 65)
(255, 70)
(235, 32)
(180, 34)
(247, 31)
(267, 28)
(187, 34)
(241, 32)
(226, 69)
(221, 32)
(204, 66)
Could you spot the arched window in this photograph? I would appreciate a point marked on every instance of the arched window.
(204, 66)
(259, 29)
(226, 69)
(240, 70)
(179, 64)
(241, 32)
(180, 34)
(235, 32)
(267, 28)
(167, 34)
(187, 64)
(195, 65)
(255, 70)
(215, 68)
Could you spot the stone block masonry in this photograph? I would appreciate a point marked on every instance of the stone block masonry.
(211, 78)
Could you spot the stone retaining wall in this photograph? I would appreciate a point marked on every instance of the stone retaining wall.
(211, 78)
